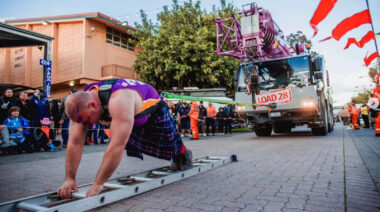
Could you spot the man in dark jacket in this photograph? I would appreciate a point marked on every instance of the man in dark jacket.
(25, 105)
(6, 102)
(40, 108)
(202, 118)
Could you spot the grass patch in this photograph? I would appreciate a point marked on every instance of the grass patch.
(242, 129)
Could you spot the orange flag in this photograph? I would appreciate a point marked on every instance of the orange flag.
(324, 8)
(107, 132)
(369, 36)
(350, 23)
(368, 60)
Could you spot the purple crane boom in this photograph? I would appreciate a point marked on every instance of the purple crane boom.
(256, 38)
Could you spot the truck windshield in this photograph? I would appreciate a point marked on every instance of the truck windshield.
(279, 73)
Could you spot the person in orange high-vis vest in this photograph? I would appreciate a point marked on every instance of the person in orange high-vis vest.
(194, 116)
(210, 120)
(354, 113)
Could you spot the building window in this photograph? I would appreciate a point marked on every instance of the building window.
(119, 39)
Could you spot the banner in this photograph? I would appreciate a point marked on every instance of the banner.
(190, 98)
(366, 38)
(348, 24)
(324, 8)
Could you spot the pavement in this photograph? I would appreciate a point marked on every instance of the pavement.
(285, 172)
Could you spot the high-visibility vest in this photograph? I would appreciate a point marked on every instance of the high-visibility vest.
(194, 112)
(364, 110)
(353, 110)
(211, 111)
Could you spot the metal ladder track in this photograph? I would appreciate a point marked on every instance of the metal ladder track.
(114, 189)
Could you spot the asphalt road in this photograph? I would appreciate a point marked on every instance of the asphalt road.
(285, 172)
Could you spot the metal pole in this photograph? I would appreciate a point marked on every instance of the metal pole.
(373, 30)
(44, 67)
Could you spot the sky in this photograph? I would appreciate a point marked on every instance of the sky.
(348, 74)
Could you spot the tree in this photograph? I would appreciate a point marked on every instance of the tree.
(179, 51)
(297, 38)
(372, 73)
(362, 96)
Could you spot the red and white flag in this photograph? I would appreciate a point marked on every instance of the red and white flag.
(368, 60)
(350, 23)
(324, 8)
(365, 39)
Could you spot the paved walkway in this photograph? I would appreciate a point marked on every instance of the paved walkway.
(285, 172)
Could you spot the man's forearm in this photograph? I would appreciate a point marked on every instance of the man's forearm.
(73, 157)
(111, 160)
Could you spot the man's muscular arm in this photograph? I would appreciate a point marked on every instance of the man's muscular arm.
(77, 134)
(122, 110)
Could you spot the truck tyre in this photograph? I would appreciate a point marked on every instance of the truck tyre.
(331, 121)
(264, 130)
(324, 129)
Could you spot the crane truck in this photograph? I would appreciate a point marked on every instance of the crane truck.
(287, 86)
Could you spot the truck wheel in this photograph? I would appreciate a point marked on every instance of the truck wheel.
(265, 130)
(324, 129)
(331, 122)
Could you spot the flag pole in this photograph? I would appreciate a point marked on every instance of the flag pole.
(373, 30)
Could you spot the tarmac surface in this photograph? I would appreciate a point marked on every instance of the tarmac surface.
(285, 172)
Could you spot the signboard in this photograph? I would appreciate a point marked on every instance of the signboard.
(277, 96)
(47, 80)
(46, 63)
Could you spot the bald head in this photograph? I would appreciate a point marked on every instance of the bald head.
(76, 102)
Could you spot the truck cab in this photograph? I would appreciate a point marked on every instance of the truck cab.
(299, 87)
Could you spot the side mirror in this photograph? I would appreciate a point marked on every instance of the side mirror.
(236, 77)
(318, 75)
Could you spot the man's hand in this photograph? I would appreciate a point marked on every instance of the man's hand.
(94, 190)
(65, 190)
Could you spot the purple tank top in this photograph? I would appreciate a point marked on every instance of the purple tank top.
(148, 94)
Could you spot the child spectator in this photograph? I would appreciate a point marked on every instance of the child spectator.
(17, 133)
(44, 137)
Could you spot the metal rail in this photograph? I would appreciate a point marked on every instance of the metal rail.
(114, 189)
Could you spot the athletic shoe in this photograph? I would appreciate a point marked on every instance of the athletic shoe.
(182, 162)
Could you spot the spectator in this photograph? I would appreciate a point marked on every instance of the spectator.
(89, 139)
(184, 119)
(65, 121)
(228, 122)
(210, 120)
(40, 108)
(221, 116)
(54, 113)
(6, 102)
(99, 131)
(25, 106)
(7, 146)
(17, 127)
(202, 119)
(45, 137)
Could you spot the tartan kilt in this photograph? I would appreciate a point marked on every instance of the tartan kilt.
(158, 137)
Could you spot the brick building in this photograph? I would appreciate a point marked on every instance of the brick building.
(86, 48)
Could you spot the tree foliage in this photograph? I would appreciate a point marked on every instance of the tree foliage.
(372, 73)
(179, 50)
(362, 96)
(297, 38)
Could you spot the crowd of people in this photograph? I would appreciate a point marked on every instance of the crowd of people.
(192, 120)
(31, 124)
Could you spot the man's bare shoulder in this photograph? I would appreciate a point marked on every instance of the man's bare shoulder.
(125, 98)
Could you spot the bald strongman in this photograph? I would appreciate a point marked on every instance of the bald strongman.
(139, 122)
